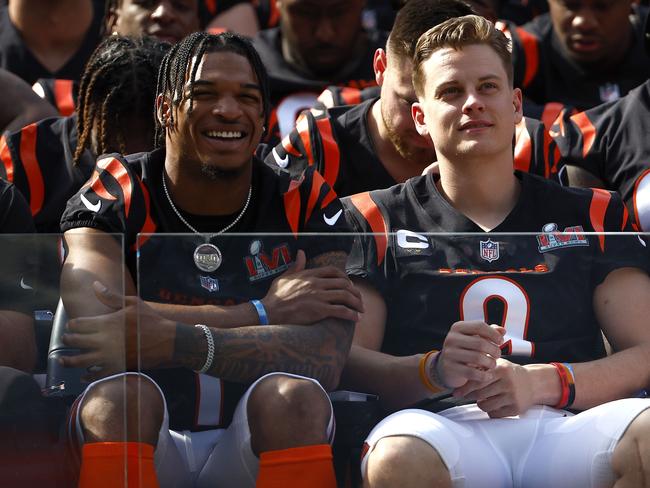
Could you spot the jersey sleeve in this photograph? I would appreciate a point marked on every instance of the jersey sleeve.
(38, 160)
(311, 143)
(535, 150)
(114, 200)
(62, 94)
(609, 217)
(313, 208)
(22, 164)
(369, 255)
(525, 53)
(583, 140)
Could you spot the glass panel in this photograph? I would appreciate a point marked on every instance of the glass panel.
(538, 287)
(38, 383)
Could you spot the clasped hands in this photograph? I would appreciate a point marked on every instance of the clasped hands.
(471, 365)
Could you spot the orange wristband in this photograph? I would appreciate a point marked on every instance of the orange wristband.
(424, 377)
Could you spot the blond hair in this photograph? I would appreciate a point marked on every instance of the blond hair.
(457, 33)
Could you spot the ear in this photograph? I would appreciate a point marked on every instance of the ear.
(111, 20)
(163, 110)
(379, 65)
(517, 102)
(418, 118)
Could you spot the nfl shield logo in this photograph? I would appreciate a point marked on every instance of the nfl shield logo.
(489, 250)
(210, 284)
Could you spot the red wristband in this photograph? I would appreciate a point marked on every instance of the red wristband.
(568, 386)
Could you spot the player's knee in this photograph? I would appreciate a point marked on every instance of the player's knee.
(405, 461)
(302, 406)
(631, 456)
(126, 408)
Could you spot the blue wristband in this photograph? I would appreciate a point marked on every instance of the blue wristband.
(261, 312)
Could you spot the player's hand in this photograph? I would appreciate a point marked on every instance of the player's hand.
(469, 353)
(510, 392)
(132, 335)
(305, 296)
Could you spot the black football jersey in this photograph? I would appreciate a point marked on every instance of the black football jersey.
(16, 285)
(62, 94)
(17, 58)
(126, 196)
(546, 75)
(337, 142)
(539, 286)
(38, 159)
(292, 92)
(611, 142)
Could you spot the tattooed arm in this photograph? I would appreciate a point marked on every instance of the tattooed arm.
(246, 353)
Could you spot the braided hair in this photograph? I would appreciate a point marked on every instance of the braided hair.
(117, 86)
(177, 70)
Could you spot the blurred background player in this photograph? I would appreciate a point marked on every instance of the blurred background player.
(28, 422)
(50, 159)
(166, 20)
(318, 43)
(607, 146)
(580, 55)
(45, 39)
(16, 293)
(507, 434)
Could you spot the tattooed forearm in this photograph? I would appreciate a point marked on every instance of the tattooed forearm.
(244, 354)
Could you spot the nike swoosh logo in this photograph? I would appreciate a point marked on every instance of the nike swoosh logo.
(282, 162)
(332, 220)
(92, 207)
(24, 285)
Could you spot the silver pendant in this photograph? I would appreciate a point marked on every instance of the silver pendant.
(207, 257)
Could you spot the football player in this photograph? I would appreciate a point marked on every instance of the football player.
(49, 160)
(318, 43)
(203, 180)
(41, 39)
(430, 300)
(579, 55)
(608, 146)
(165, 20)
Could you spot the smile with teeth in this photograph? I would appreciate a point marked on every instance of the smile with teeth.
(214, 134)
